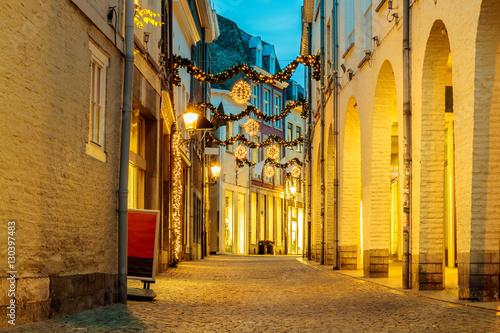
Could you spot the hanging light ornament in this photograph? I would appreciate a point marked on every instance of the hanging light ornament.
(295, 171)
(273, 151)
(240, 152)
(241, 92)
(252, 127)
(269, 171)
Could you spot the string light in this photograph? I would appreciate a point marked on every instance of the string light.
(272, 138)
(295, 171)
(259, 114)
(177, 195)
(269, 171)
(241, 92)
(240, 152)
(252, 127)
(273, 152)
(252, 74)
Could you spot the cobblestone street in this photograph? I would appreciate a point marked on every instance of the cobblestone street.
(272, 294)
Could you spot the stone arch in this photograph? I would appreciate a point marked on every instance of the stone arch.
(480, 254)
(385, 118)
(429, 181)
(330, 198)
(316, 207)
(350, 236)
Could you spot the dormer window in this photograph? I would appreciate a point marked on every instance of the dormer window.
(258, 57)
(271, 65)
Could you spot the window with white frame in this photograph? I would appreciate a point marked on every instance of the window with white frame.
(289, 133)
(267, 104)
(277, 109)
(258, 57)
(97, 113)
(349, 23)
(366, 14)
(255, 96)
(298, 131)
(255, 152)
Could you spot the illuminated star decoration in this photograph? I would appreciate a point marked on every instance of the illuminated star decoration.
(269, 171)
(252, 127)
(273, 152)
(295, 171)
(240, 152)
(241, 92)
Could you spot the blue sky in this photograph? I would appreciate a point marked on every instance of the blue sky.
(278, 22)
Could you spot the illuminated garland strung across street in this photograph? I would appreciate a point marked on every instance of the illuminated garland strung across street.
(253, 145)
(259, 114)
(177, 195)
(252, 74)
(295, 160)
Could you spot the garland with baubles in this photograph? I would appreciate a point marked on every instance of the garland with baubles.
(269, 161)
(250, 144)
(259, 114)
(252, 74)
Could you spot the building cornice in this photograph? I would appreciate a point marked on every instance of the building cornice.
(186, 21)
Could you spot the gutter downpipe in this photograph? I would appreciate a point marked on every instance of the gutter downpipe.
(128, 76)
(309, 150)
(322, 108)
(336, 264)
(407, 144)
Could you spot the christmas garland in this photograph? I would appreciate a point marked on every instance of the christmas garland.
(259, 114)
(309, 60)
(253, 145)
(241, 163)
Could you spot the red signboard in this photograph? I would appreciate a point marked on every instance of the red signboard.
(142, 243)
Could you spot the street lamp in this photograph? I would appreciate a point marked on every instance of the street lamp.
(293, 189)
(215, 172)
(190, 120)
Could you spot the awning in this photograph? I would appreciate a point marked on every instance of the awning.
(257, 169)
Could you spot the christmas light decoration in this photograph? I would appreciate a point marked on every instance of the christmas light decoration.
(252, 127)
(269, 171)
(295, 171)
(259, 114)
(241, 92)
(177, 195)
(240, 152)
(273, 152)
(271, 139)
(252, 74)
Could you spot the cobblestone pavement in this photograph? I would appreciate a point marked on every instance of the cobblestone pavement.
(272, 294)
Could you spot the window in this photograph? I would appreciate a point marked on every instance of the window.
(96, 139)
(255, 152)
(137, 161)
(271, 65)
(289, 132)
(349, 23)
(298, 131)
(277, 109)
(258, 57)
(229, 134)
(255, 96)
(366, 14)
(267, 105)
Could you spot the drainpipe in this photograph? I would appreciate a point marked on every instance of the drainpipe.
(407, 144)
(336, 264)
(322, 108)
(124, 152)
(309, 149)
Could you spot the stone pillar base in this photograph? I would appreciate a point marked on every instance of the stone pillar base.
(427, 273)
(376, 263)
(348, 257)
(478, 275)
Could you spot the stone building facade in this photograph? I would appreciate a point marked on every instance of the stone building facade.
(454, 75)
(62, 77)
